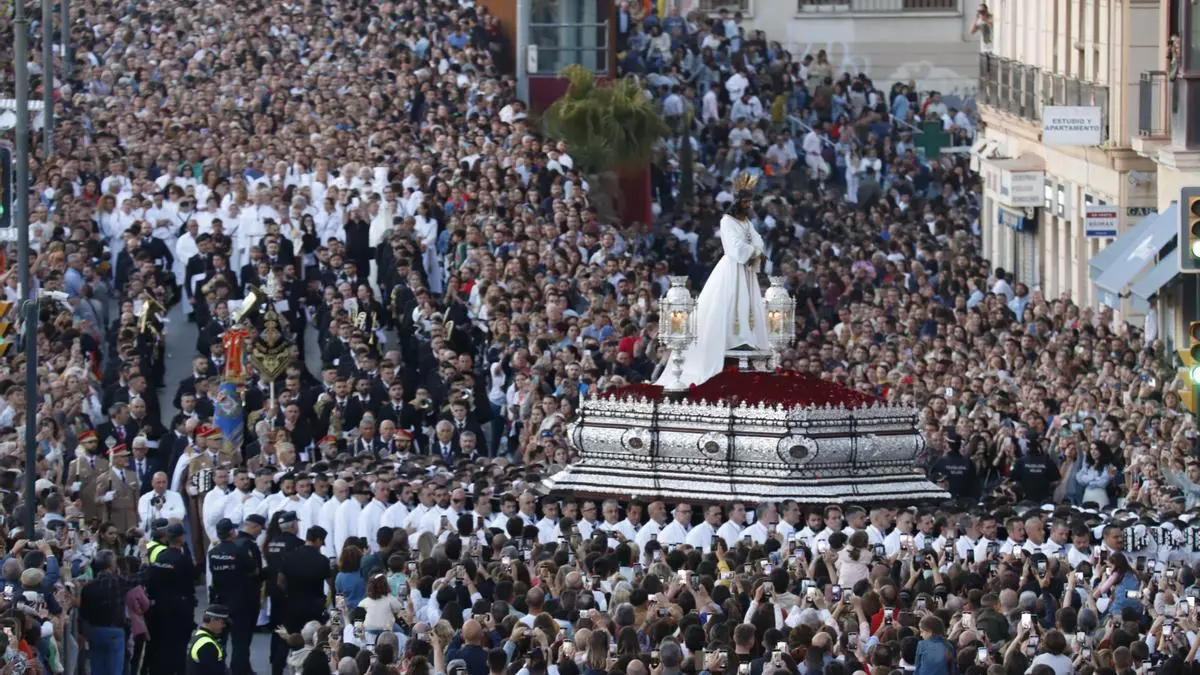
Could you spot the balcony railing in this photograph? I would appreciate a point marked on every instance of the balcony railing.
(714, 6)
(879, 6)
(1024, 90)
(1154, 104)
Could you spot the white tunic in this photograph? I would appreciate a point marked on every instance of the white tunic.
(345, 523)
(368, 522)
(729, 310)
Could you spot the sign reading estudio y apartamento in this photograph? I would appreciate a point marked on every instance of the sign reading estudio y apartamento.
(1072, 125)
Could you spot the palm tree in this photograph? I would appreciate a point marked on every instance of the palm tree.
(608, 127)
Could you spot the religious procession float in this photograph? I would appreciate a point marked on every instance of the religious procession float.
(725, 423)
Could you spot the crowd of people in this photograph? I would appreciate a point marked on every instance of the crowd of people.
(363, 174)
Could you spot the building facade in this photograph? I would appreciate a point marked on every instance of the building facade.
(1167, 133)
(1058, 104)
(927, 41)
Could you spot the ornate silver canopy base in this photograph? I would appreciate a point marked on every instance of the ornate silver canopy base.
(649, 446)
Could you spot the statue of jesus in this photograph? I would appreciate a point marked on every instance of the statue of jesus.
(729, 310)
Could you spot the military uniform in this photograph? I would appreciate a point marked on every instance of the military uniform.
(195, 466)
(171, 576)
(121, 508)
(86, 471)
(235, 575)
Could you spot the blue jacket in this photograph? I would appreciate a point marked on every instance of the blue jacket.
(934, 657)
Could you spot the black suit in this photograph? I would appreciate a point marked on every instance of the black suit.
(435, 448)
(121, 433)
(210, 334)
(149, 468)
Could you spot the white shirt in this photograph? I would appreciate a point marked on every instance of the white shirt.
(327, 518)
(650, 529)
(394, 516)
(672, 534)
(548, 531)
(709, 110)
(172, 508)
(413, 520)
(731, 532)
(432, 520)
(345, 523)
(735, 85)
(368, 522)
(213, 510)
(701, 536)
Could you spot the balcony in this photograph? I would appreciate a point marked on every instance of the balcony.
(1155, 108)
(714, 6)
(1023, 90)
(881, 6)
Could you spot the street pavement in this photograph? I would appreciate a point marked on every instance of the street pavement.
(180, 348)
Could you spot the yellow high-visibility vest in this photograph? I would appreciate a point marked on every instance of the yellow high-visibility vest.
(202, 638)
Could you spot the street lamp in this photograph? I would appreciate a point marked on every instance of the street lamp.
(780, 308)
(677, 329)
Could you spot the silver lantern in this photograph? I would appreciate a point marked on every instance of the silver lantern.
(677, 327)
(780, 308)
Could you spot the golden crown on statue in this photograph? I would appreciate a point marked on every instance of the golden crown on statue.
(745, 181)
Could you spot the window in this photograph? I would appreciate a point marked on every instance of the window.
(1062, 202)
(1049, 194)
(714, 6)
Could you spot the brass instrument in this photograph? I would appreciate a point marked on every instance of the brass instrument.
(149, 318)
(253, 302)
(210, 286)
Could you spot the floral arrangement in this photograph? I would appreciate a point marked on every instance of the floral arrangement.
(781, 387)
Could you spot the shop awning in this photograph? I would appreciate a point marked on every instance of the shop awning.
(1100, 262)
(1150, 282)
(1112, 272)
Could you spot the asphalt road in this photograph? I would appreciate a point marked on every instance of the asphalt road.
(181, 347)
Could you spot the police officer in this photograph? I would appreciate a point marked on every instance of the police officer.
(205, 656)
(234, 577)
(170, 587)
(157, 542)
(283, 542)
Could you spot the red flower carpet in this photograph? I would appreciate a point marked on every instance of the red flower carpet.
(786, 387)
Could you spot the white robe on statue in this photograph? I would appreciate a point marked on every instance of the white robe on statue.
(729, 311)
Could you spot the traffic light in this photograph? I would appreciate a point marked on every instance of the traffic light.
(1189, 229)
(6, 187)
(7, 327)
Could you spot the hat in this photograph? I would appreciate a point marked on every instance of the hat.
(224, 528)
(328, 438)
(43, 484)
(175, 530)
(119, 449)
(403, 435)
(158, 523)
(288, 518)
(257, 519)
(201, 430)
(212, 431)
(457, 667)
(217, 612)
(88, 435)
